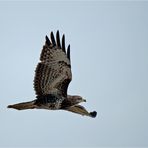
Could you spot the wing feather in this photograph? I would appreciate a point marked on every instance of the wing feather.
(53, 39)
(79, 110)
(63, 43)
(58, 39)
(53, 72)
(48, 41)
(68, 52)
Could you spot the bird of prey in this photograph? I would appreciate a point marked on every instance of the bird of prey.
(52, 77)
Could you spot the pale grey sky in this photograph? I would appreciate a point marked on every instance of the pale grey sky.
(109, 52)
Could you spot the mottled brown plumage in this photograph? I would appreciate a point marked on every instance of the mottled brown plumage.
(52, 77)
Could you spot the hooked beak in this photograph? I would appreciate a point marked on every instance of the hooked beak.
(84, 100)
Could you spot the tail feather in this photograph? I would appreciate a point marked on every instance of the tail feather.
(24, 105)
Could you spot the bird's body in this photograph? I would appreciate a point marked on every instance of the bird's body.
(52, 77)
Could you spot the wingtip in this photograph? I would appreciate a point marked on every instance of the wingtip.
(68, 47)
(63, 43)
(58, 31)
(51, 32)
(9, 106)
(47, 40)
(63, 36)
(58, 39)
(68, 51)
(52, 38)
(58, 34)
(93, 114)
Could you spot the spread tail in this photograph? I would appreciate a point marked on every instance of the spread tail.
(24, 105)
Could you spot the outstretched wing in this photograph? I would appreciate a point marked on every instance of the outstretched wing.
(53, 72)
(78, 109)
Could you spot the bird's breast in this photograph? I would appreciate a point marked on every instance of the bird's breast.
(49, 101)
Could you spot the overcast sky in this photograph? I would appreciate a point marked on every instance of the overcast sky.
(109, 52)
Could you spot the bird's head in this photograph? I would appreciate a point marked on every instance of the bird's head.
(76, 99)
(79, 99)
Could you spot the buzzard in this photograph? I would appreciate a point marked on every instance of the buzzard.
(52, 77)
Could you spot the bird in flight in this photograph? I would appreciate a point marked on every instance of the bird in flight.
(52, 77)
